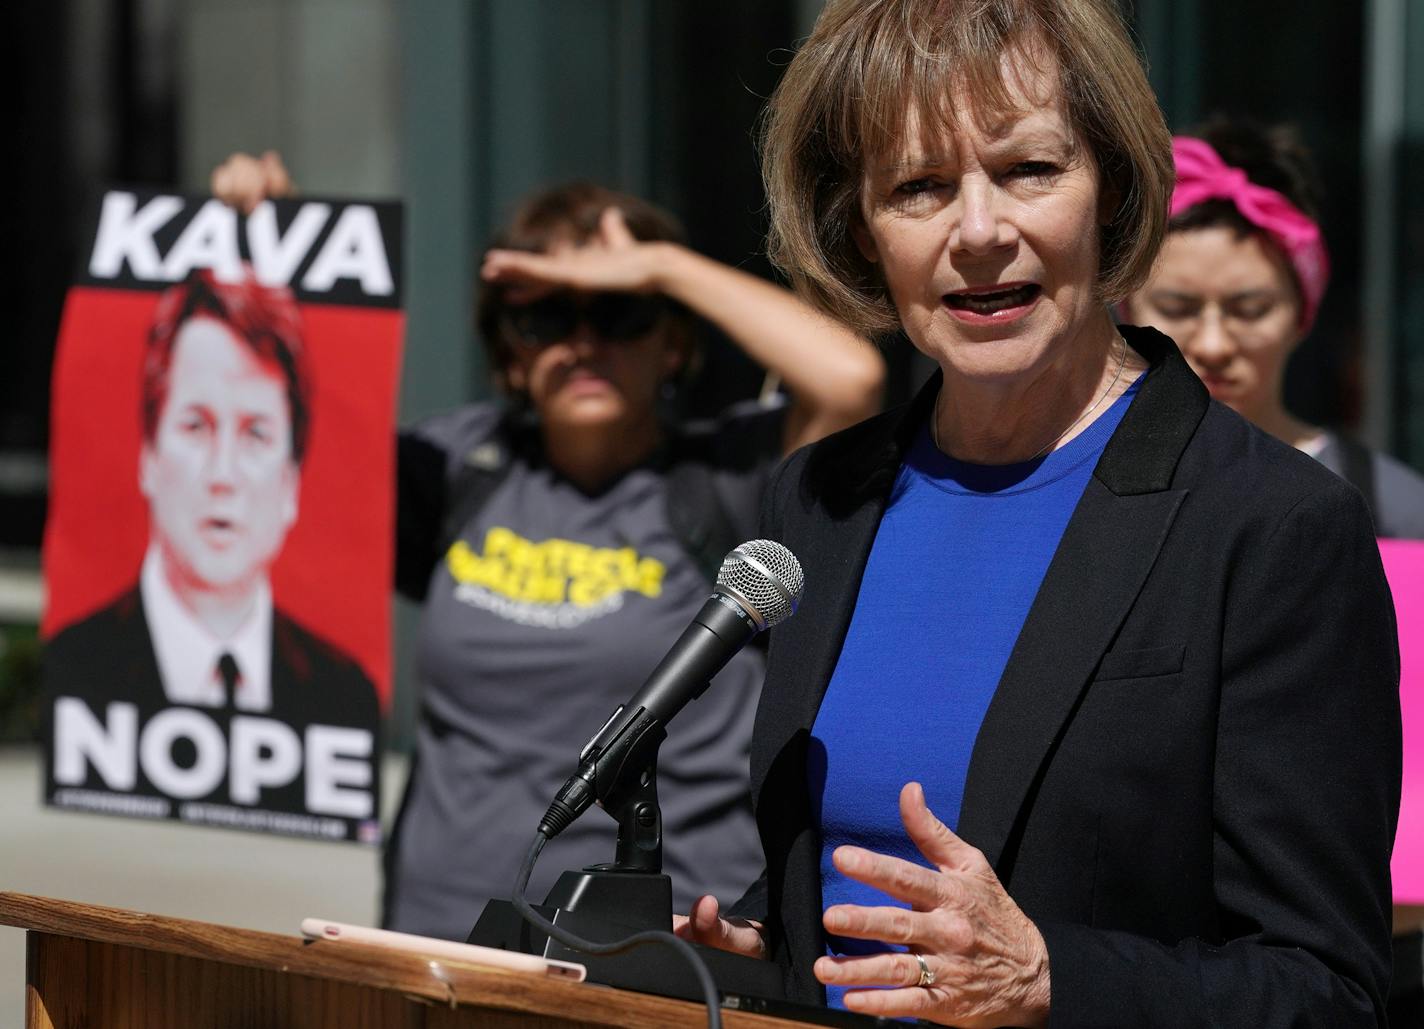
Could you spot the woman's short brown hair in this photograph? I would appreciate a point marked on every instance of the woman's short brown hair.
(566, 214)
(869, 65)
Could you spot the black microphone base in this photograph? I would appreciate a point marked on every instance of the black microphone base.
(603, 906)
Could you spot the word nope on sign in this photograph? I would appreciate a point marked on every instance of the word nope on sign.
(332, 763)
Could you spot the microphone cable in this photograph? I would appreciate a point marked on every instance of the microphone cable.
(710, 995)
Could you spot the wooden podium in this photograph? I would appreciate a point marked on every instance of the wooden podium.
(89, 966)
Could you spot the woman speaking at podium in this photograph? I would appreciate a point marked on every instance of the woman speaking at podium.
(1089, 716)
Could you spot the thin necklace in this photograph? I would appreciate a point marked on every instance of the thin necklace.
(1122, 360)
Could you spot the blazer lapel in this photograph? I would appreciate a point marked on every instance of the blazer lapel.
(835, 562)
(1106, 552)
(1101, 563)
(830, 520)
(849, 487)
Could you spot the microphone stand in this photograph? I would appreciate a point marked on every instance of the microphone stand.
(632, 891)
(607, 902)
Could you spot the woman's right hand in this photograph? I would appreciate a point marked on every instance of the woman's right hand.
(244, 181)
(705, 926)
(612, 259)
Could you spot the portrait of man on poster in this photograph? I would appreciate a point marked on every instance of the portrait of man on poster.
(226, 417)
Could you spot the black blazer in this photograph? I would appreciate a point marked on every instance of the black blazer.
(1189, 774)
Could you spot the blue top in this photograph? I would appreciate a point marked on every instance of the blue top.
(956, 562)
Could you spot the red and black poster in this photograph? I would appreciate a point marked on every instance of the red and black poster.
(218, 551)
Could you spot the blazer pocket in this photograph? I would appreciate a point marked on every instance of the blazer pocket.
(1141, 664)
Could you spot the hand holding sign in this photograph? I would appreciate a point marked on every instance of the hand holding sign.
(244, 181)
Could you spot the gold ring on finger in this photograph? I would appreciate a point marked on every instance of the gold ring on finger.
(927, 977)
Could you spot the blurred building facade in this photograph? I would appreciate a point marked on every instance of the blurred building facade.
(462, 106)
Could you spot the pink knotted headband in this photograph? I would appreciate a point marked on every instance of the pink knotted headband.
(1202, 175)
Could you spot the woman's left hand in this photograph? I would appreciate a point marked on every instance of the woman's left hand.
(612, 260)
(988, 960)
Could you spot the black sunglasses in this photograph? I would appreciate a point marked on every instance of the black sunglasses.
(616, 317)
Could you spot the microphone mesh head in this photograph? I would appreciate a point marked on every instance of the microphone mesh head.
(767, 576)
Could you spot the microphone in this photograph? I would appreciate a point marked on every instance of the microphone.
(758, 586)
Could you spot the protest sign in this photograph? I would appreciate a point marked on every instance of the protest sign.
(218, 549)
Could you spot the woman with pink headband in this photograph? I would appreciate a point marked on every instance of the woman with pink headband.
(1238, 284)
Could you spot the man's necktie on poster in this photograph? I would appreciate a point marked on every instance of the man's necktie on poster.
(230, 677)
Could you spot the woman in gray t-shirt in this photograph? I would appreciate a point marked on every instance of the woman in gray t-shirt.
(560, 542)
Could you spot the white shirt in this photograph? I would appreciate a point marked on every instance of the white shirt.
(188, 651)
